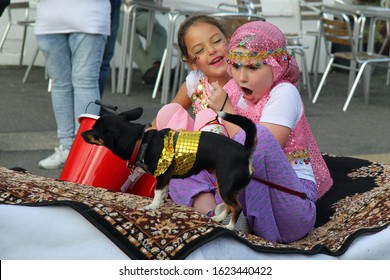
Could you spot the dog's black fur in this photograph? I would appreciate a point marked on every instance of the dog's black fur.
(230, 160)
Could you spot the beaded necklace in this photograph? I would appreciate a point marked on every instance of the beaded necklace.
(200, 97)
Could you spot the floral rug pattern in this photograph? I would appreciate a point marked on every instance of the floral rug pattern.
(174, 231)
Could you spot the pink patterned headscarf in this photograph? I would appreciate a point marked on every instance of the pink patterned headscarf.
(260, 36)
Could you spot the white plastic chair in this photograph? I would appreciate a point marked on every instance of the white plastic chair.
(26, 22)
(337, 28)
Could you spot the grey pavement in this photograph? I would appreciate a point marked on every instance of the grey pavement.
(28, 129)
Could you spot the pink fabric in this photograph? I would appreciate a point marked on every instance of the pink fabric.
(260, 36)
(203, 117)
(206, 120)
(174, 116)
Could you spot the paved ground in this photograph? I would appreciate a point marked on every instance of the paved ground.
(28, 130)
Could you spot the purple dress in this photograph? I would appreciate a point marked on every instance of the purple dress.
(271, 214)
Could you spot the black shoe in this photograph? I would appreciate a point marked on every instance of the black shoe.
(151, 74)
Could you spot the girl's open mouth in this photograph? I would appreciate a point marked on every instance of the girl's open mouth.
(247, 91)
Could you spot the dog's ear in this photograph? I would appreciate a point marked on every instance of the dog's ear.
(133, 114)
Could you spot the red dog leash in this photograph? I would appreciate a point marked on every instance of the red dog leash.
(281, 188)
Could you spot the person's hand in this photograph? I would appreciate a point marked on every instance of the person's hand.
(218, 97)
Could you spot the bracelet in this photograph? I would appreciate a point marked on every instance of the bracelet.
(224, 103)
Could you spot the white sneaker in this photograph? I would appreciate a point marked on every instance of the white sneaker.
(55, 160)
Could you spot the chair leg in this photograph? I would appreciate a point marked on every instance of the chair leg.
(323, 80)
(351, 92)
(129, 77)
(352, 74)
(49, 85)
(30, 65)
(306, 73)
(316, 49)
(6, 31)
(159, 75)
(317, 53)
(182, 72)
(23, 46)
(130, 57)
(113, 76)
(176, 79)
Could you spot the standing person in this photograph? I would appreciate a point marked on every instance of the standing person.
(110, 44)
(203, 44)
(148, 60)
(264, 89)
(72, 36)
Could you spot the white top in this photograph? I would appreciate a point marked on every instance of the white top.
(285, 108)
(68, 16)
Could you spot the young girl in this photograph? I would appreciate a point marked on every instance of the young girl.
(263, 89)
(204, 48)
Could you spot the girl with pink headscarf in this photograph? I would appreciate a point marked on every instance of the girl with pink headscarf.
(263, 89)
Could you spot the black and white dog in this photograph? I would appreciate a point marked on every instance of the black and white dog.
(170, 154)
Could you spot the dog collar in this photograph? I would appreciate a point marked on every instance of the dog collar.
(135, 151)
(137, 156)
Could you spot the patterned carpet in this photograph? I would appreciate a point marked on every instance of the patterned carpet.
(358, 202)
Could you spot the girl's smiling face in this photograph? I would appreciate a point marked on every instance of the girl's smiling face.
(207, 49)
(252, 76)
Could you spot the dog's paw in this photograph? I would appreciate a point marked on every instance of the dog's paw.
(219, 218)
(230, 226)
(150, 207)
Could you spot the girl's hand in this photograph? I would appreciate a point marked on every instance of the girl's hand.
(218, 98)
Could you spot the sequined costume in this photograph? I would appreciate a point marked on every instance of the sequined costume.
(271, 214)
(182, 153)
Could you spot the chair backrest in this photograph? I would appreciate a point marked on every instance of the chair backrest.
(231, 21)
(337, 28)
(18, 6)
(336, 31)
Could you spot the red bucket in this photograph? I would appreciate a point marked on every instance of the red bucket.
(97, 166)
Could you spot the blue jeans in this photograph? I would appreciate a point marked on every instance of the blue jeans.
(110, 45)
(73, 61)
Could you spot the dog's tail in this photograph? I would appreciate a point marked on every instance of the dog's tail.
(247, 125)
